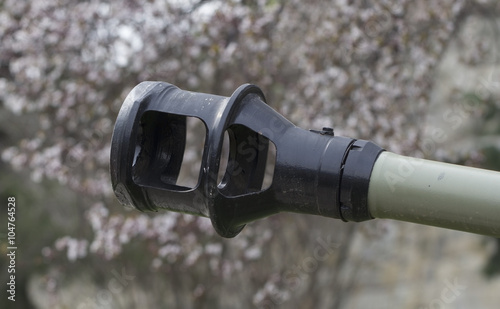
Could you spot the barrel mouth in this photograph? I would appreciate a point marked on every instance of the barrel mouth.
(309, 172)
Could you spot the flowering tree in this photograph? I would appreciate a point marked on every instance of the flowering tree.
(367, 68)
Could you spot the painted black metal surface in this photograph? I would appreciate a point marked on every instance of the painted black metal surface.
(315, 172)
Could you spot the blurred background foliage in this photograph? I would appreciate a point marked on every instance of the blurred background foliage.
(392, 72)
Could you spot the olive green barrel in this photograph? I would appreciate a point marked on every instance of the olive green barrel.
(434, 193)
